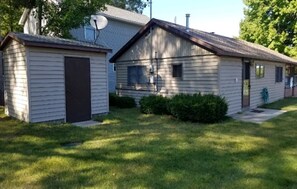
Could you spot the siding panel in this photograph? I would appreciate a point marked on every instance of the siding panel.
(15, 81)
(47, 87)
(199, 75)
(276, 90)
(230, 83)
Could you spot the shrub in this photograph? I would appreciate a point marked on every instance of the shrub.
(154, 104)
(125, 102)
(198, 108)
(121, 101)
(112, 99)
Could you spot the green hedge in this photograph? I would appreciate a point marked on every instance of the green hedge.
(198, 108)
(154, 104)
(121, 101)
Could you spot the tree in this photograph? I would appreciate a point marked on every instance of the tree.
(60, 18)
(131, 5)
(10, 13)
(271, 23)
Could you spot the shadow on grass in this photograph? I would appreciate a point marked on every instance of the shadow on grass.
(148, 151)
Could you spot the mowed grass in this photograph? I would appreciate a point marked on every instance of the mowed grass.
(131, 150)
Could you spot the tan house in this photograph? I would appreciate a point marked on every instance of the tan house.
(165, 58)
(49, 79)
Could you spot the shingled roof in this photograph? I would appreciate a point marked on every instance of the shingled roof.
(125, 15)
(52, 42)
(217, 44)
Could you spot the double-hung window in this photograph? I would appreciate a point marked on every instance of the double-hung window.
(260, 71)
(137, 75)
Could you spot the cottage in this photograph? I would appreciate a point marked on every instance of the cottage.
(122, 26)
(48, 79)
(165, 58)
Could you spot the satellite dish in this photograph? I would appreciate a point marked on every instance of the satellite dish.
(98, 22)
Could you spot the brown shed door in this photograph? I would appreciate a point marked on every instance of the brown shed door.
(78, 90)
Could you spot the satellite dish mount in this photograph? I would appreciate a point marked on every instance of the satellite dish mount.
(98, 22)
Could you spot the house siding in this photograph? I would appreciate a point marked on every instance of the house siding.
(230, 82)
(47, 83)
(200, 67)
(15, 81)
(275, 90)
(165, 44)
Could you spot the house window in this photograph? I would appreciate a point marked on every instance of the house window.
(278, 74)
(90, 34)
(260, 70)
(177, 70)
(137, 75)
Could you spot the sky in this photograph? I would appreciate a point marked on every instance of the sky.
(219, 16)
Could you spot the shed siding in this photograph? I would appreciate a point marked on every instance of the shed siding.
(15, 81)
(231, 83)
(1, 81)
(47, 87)
(275, 90)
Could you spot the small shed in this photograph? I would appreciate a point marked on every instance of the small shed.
(54, 79)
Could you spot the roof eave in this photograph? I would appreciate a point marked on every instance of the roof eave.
(12, 36)
(122, 19)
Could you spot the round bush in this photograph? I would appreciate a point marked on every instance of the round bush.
(198, 108)
(154, 104)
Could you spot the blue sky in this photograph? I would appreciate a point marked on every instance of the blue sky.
(219, 16)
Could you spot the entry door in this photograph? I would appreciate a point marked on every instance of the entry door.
(78, 90)
(246, 85)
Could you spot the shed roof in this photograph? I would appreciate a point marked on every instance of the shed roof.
(218, 44)
(52, 42)
(125, 15)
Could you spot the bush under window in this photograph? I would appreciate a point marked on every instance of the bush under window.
(198, 108)
(154, 104)
(121, 101)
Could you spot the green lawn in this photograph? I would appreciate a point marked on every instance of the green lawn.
(131, 150)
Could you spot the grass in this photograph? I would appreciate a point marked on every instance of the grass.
(131, 150)
(288, 104)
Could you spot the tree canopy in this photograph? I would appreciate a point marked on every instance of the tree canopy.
(131, 5)
(271, 23)
(60, 17)
(10, 13)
